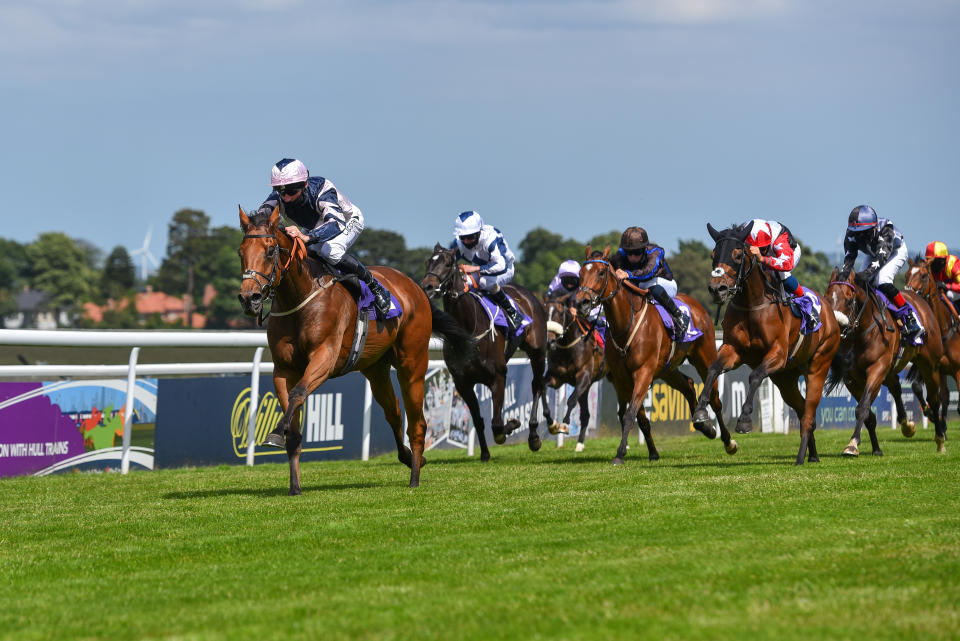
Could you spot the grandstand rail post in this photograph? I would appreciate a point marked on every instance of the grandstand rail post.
(254, 404)
(128, 410)
(367, 407)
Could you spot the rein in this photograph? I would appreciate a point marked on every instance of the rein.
(597, 298)
(268, 289)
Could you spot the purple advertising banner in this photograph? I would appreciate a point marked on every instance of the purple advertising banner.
(34, 434)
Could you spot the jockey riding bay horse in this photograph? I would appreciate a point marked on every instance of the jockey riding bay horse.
(871, 354)
(759, 330)
(574, 357)
(639, 348)
(488, 364)
(314, 334)
(920, 279)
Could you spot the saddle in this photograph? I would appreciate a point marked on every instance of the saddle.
(495, 314)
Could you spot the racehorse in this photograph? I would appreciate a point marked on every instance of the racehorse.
(488, 366)
(574, 357)
(761, 332)
(312, 330)
(640, 351)
(871, 355)
(920, 279)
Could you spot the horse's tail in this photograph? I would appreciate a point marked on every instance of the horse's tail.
(446, 326)
(841, 365)
(912, 374)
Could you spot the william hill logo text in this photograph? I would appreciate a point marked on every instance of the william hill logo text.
(323, 419)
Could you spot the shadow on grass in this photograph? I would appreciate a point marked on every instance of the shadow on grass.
(270, 491)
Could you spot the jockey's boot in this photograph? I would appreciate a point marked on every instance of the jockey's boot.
(680, 321)
(381, 297)
(911, 324)
(807, 309)
(514, 319)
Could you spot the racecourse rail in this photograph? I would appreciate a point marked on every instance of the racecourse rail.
(154, 338)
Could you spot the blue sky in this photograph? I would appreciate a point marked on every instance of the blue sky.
(580, 117)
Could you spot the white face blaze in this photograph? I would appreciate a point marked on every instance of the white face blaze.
(717, 273)
(841, 318)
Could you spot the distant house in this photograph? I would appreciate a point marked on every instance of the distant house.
(148, 303)
(35, 312)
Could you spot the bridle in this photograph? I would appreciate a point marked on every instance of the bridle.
(858, 308)
(743, 272)
(444, 284)
(574, 320)
(268, 288)
(597, 297)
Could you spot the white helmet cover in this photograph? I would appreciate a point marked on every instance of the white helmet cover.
(469, 222)
(287, 172)
(569, 268)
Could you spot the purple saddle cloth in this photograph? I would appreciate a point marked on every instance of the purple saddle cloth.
(365, 303)
(693, 333)
(802, 306)
(899, 313)
(496, 314)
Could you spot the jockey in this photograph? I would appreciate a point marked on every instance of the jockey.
(326, 221)
(945, 268)
(644, 264)
(565, 283)
(490, 260)
(883, 243)
(778, 250)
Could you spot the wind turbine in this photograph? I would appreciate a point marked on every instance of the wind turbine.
(145, 255)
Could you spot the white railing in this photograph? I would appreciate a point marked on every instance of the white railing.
(136, 339)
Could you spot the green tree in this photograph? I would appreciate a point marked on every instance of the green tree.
(118, 276)
(220, 267)
(60, 268)
(187, 242)
(14, 273)
(691, 265)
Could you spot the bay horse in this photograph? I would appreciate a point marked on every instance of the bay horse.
(488, 364)
(871, 355)
(573, 358)
(640, 350)
(311, 330)
(920, 280)
(759, 330)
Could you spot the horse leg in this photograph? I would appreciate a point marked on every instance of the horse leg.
(815, 381)
(773, 362)
(727, 359)
(469, 396)
(381, 387)
(907, 427)
(786, 382)
(641, 383)
(577, 396)
(500, 431)
(684, 384)
(864, 392)
(584, 402)
(411, 388)
(538, 362)
(930, 373)
(697, 359)
(643, 423)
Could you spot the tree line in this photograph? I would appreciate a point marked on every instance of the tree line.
(73, 271)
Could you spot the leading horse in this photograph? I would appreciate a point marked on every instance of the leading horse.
(312, 330)
(488, 365)
(761, 332)
(871, 354)
(920, 279)
(639, 351)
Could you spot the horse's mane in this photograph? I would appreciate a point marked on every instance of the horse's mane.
(596, 253)
(919, 258)
(861, 281)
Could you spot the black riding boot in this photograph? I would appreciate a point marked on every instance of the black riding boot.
(911, 324)
(680, 322)
(381, 297)
(514, 319)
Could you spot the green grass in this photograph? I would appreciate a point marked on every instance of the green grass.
(555, 544)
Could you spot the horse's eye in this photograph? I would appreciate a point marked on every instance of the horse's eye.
(271, 251)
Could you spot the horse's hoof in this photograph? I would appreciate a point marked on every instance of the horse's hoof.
(941, 444)
(578, 448)
(414, 484)
(654, 457)
(511, 426)
(295, 491)
(700, 416)
(563, 429)
(731, 447)
(743, 427)
(616, 461)
(813, 459)
(850, 451)
(499, 435)
(535, 443)
(274, 440)
(878, 452)
(554, 428)
(908, 428)
(710, 433)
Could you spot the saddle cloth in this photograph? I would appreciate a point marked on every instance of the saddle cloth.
(898, 314)
(801, 307)
(495, 314)
(365, 303)
(693, 333)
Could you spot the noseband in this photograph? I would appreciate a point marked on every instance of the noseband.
(597, 298)
(268, 289)
(442, 283)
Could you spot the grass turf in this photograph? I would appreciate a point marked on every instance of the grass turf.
(699, 545)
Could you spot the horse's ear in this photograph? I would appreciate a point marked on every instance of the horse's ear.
(274, 216)
(244, 220)
(834, 274)
(606, 252)
(714, 234)
(438, 248)
(588, 251)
